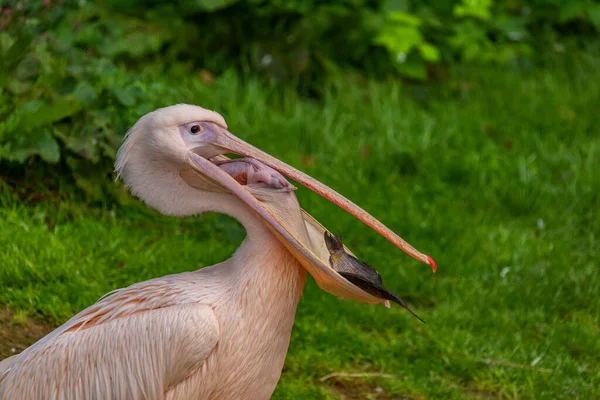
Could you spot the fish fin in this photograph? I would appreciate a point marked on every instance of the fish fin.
(367, 266)
(339, 243)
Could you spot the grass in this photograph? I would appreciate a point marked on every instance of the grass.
(495, 175)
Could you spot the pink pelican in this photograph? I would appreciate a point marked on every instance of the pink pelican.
(221, 332)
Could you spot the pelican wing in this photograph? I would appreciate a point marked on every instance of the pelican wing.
(125, 346)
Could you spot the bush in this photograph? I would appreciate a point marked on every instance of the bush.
(288, 40)
(75, 75)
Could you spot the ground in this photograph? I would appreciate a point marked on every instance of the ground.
(495, 174)
(17, 333)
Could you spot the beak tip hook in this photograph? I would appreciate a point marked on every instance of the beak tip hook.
(432, 263)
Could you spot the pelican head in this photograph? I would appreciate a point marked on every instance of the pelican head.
(183, 147)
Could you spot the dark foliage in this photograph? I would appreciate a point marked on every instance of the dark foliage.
(75, 75)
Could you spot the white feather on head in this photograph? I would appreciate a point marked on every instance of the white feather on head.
(162, 119)
(153, 153)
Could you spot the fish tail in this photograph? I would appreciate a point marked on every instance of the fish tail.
(400, 302)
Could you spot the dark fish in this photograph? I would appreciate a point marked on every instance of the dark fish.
(359, 273)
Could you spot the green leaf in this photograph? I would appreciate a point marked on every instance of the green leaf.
(85, 93)
(17, 51)
(429, 52)
(402, 18)
(43, 144)
(399, 39)
(11, 59)
(480, 9)
(42, 114)
(413, 70)
(593, 12)
(572, 10)
(126, 96)
(48, 148)
(411, 65)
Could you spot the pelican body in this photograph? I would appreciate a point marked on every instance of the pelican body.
(221, 332)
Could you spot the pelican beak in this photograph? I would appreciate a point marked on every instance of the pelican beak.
(313, 257)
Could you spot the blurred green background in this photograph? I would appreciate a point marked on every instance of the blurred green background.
(469, 127)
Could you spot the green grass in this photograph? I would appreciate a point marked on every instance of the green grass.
(496, 175)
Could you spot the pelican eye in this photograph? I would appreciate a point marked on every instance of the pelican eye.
(195, 129)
